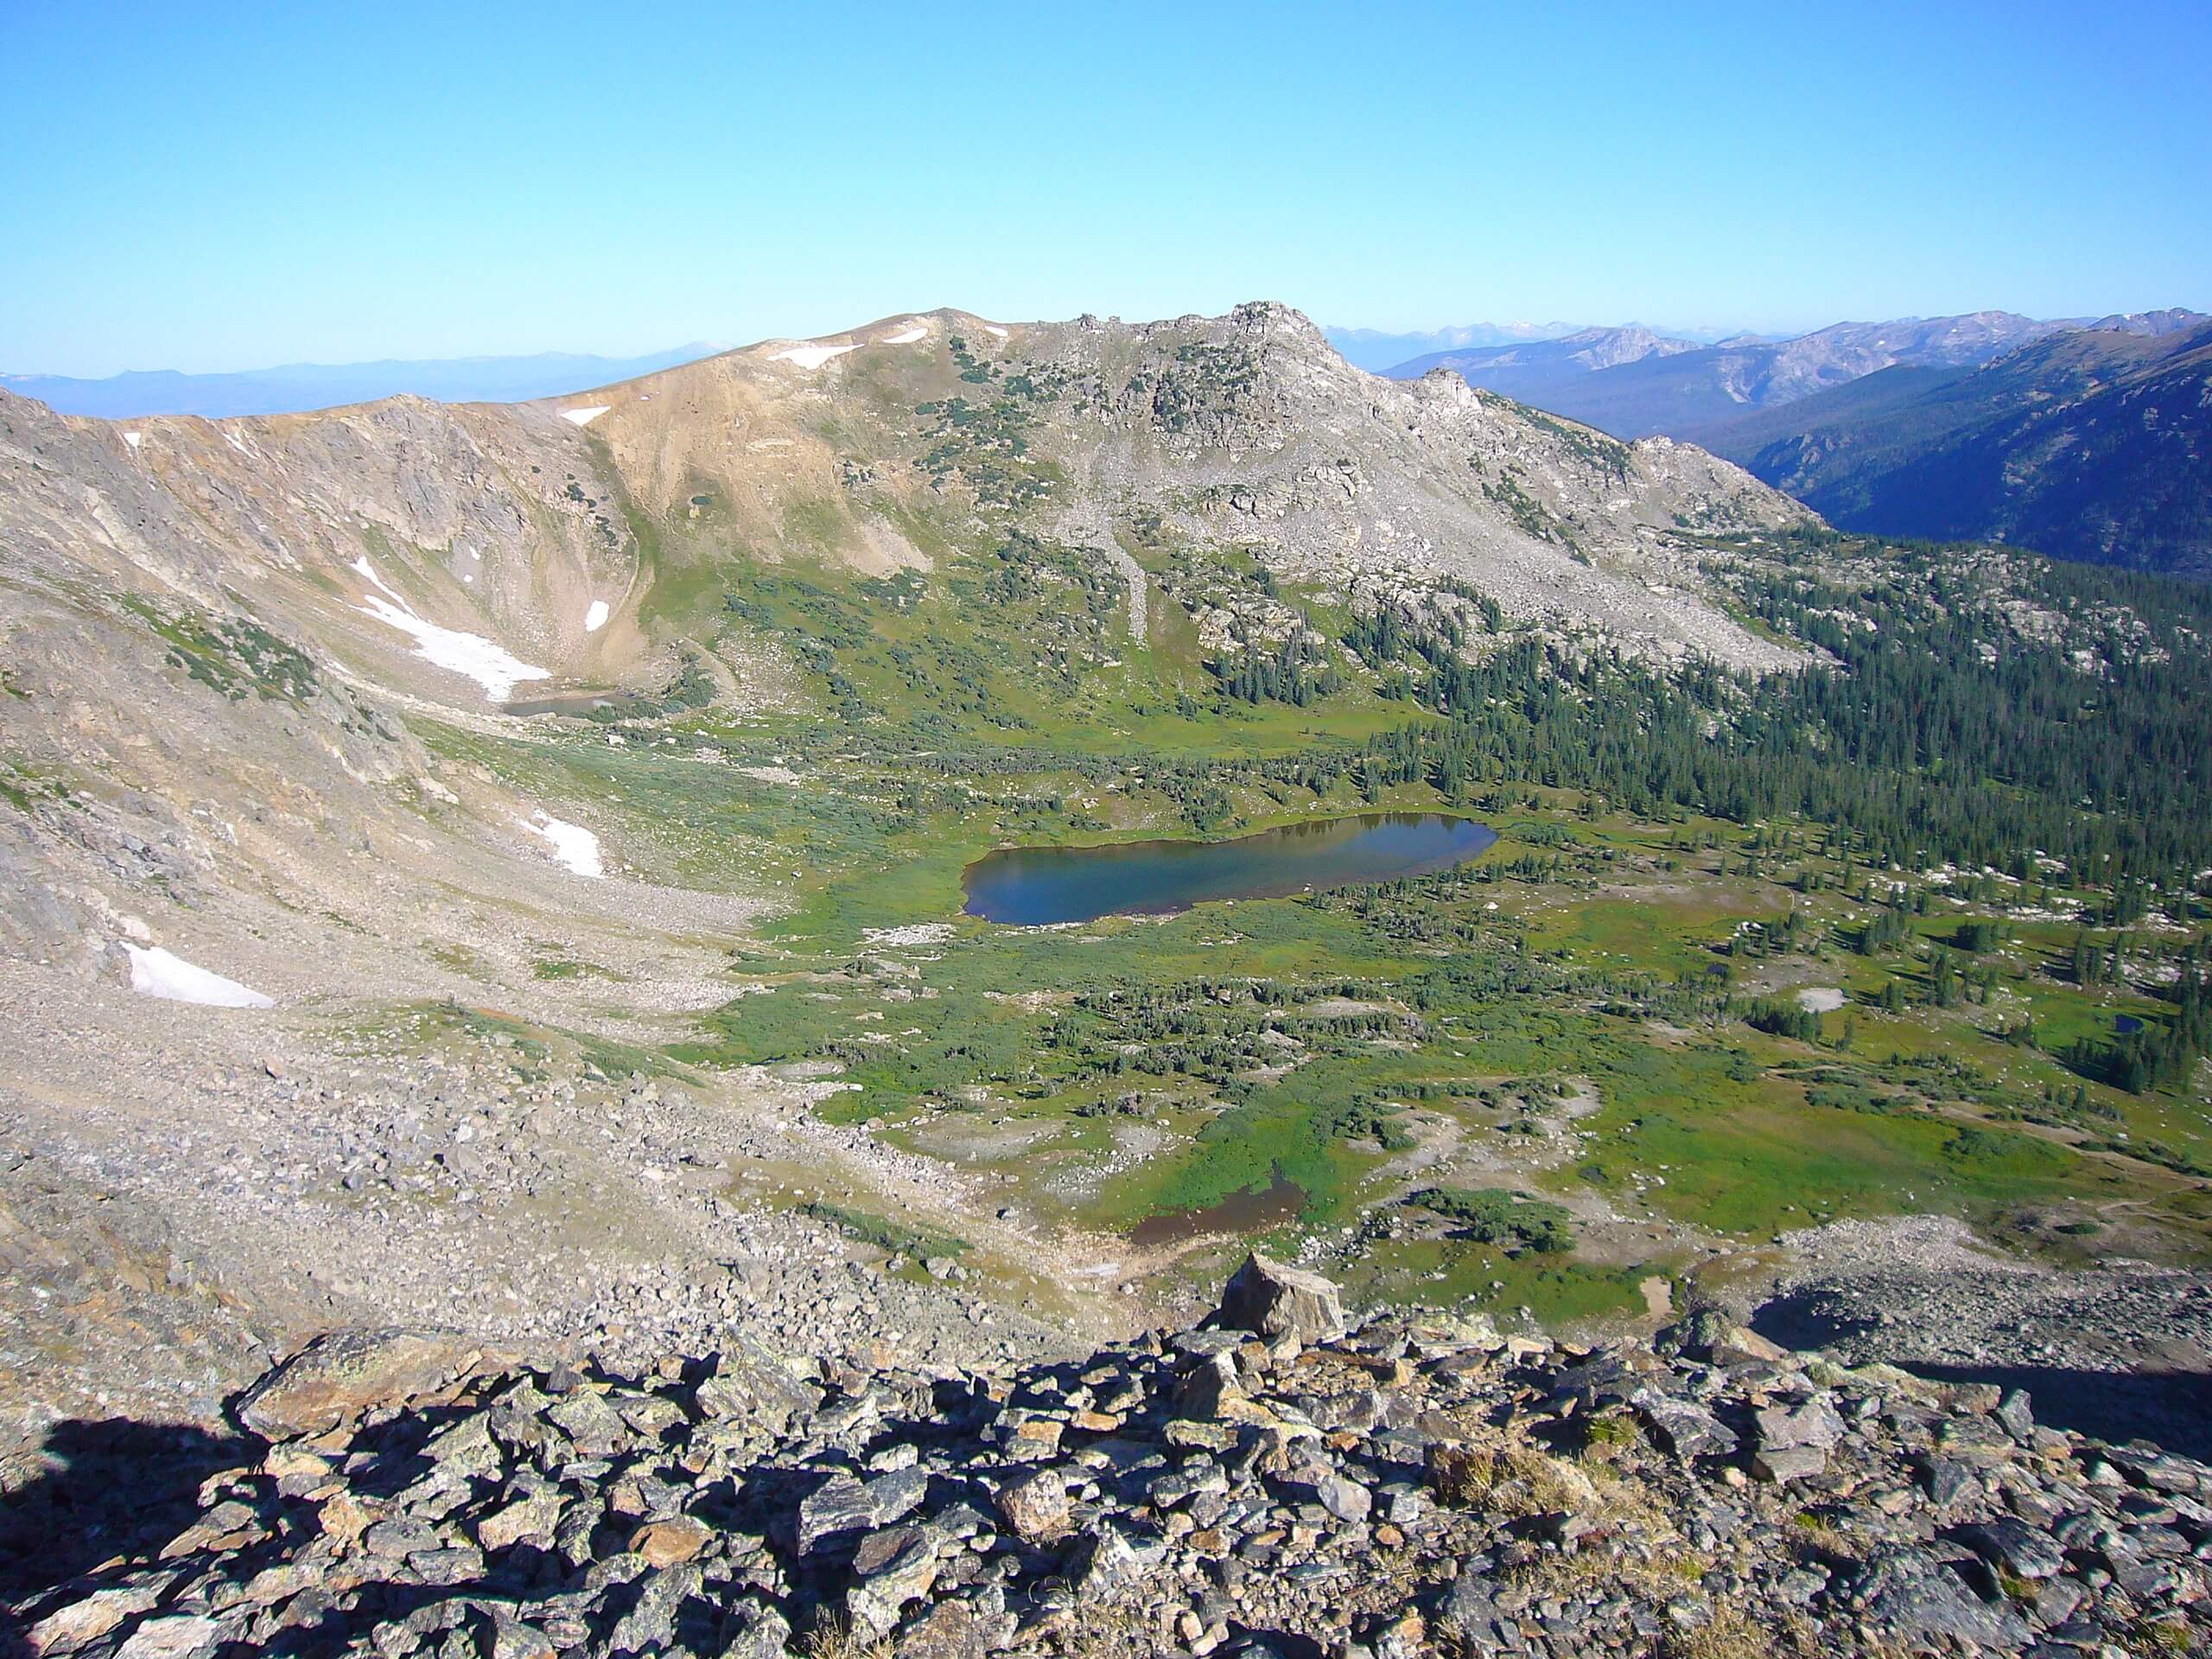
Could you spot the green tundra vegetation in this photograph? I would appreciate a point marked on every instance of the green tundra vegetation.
(1976, 827)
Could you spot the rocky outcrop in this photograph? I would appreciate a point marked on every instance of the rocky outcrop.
(1417, 1485)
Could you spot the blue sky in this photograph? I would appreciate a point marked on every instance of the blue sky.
(228, 187)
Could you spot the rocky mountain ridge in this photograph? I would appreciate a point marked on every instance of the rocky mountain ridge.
(1278, 1482)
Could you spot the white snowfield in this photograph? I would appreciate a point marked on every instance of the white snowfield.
(491, 664)
(992, 328)
(595, 618)
(573, 845)
(134, 439)
(585, 417)
(907, 336)
(809, 356)
(156, 972)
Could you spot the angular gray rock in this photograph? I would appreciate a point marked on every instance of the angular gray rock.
(1274, 1300)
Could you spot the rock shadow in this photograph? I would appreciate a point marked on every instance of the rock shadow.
(2170, 1407)
(108, 1487)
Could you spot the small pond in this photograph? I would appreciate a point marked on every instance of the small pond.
(565, 702)
(1240, 1212)
(1031, 887)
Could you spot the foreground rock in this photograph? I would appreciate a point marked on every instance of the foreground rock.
(1417, 1485)
(1276, 1300)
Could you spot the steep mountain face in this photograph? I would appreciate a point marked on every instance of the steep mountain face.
(296, 386)
(2092, 444)
(214, 633)
(1679, 392)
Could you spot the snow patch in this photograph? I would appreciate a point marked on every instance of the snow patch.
(585, 417)
(908, 335)
(573, 845)
(154, 972)
(134, 439)
(809, 356)
(993, 329)
(595, 618)
(491, 664)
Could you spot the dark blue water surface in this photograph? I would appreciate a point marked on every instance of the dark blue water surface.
(1031, 886)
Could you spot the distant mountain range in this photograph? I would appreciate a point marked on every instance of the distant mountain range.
(1386, 354)
(2091, 443)
(1548, 374)
(1377, 352)
(1635, 383)
(295, 386)
(2083, 438)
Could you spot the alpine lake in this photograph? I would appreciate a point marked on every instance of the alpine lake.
(1035, 886)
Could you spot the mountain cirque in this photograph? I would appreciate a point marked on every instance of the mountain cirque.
(328, 573)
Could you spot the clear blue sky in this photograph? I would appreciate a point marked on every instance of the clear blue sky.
(237, 185)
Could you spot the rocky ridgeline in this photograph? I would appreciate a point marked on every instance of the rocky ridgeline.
(1274, 1483)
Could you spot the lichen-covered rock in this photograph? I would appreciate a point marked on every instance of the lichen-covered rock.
(1036, 1505)
(337, 1378)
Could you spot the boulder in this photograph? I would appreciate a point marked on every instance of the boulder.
(1277, 1301)
(1470, 1614)
(894, 1568)
(2017, 1548)
(948, 1630)
(1036, 1508)
(179, 1637)
(338, 1377)
(1906, 1592)
(751, 1384)
(1683, 1426)
(664, 1543)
